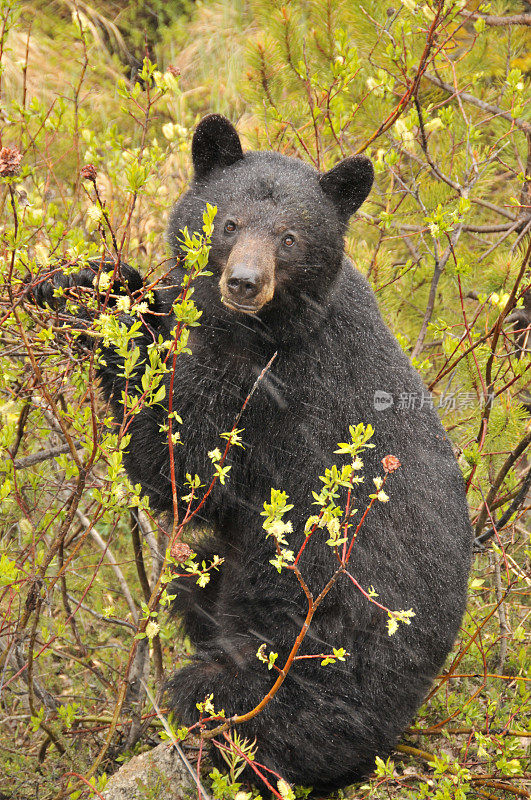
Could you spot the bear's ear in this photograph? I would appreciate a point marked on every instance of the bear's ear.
(348, 183)
(215, 144)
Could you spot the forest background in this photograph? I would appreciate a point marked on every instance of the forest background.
(436, 94)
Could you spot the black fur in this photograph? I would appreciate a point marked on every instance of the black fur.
(326, 724)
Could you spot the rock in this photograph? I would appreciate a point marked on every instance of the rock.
(157, 773)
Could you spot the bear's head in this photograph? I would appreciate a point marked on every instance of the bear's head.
(279, 228)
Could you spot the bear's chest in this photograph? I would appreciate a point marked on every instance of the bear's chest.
(224, 380)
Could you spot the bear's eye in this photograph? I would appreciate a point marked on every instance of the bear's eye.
(288, 240)
(230, 226)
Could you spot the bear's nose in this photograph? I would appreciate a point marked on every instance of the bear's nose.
(243, 282)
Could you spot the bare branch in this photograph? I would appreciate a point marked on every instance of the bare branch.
(43, 455)
(486, 204)
(488, 107)
(491, 19)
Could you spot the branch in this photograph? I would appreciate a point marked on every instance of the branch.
(511, 302)
(114, 620)
(43, 455)
(177, 746)
(467, 228)
(440, 264)
(485, 203)
(469, 98)
(481, 779)
(104, 547)
(17, 661)
(412, 86)
(490, 19)
(506, 516)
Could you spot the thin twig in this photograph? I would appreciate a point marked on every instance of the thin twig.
(109, 557)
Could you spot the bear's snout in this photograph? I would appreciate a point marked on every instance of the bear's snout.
(248, 279)
(243, 282)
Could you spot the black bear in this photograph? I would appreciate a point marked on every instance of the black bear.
(281, 284)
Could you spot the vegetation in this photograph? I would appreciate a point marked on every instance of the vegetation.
(436, 94)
